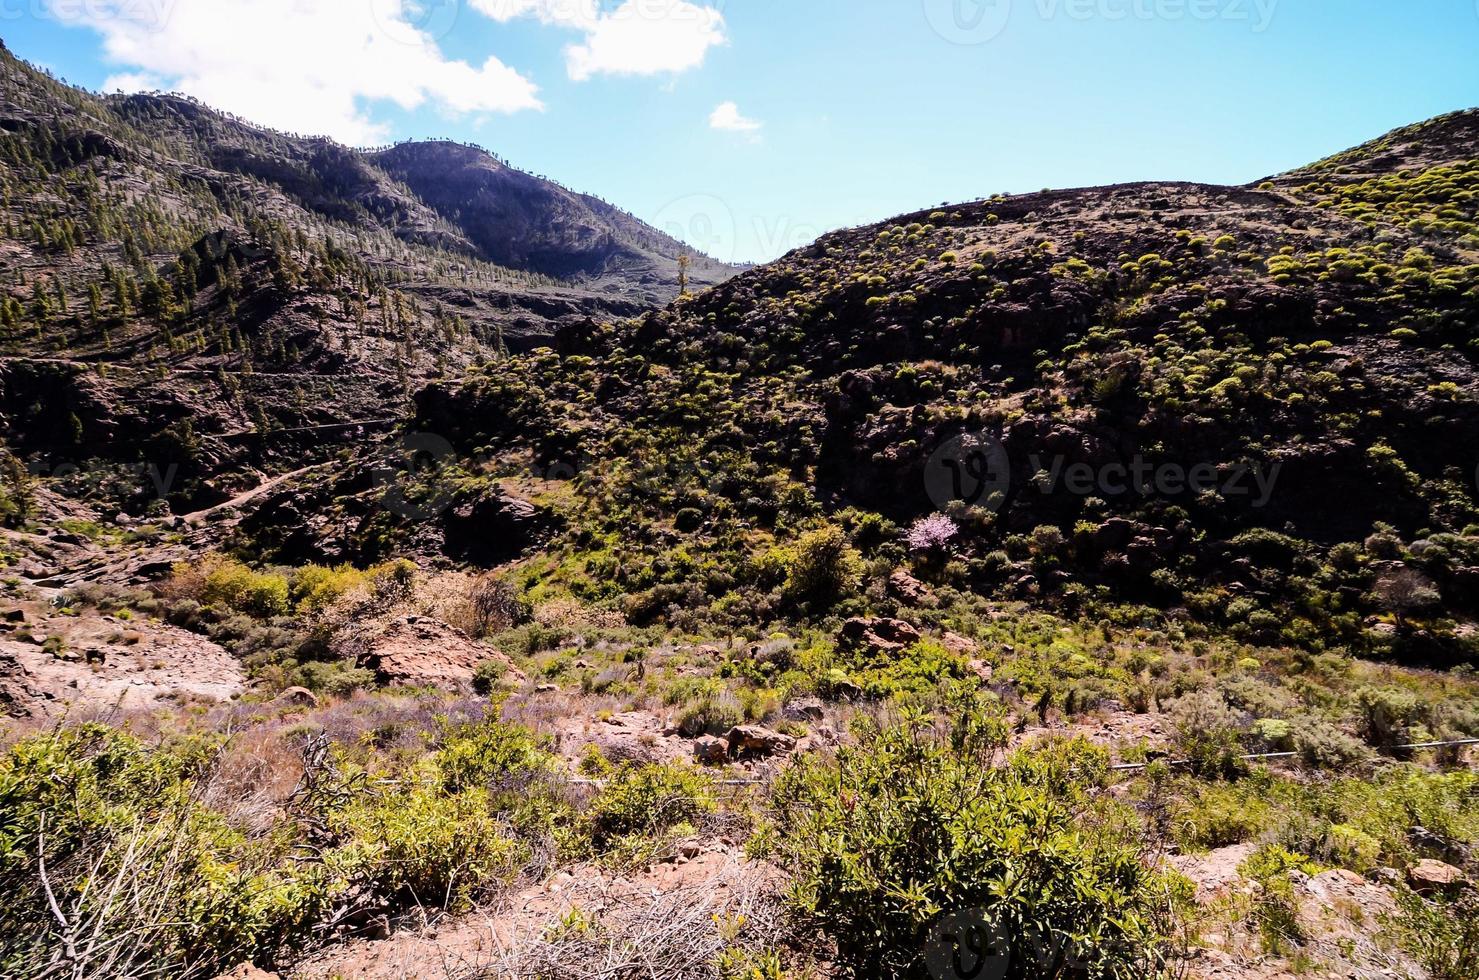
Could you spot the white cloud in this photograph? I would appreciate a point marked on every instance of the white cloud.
(638, 37)
(307, 66)
(728, 117)
(133, 81)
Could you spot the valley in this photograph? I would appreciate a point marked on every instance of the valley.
(416, 568)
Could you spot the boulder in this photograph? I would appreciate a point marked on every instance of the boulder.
(878, 636)
(416, 651)
(247, 971)
(753, 740)
(961, 646)
(710, 750)
(909, 589)
(804, 709)
(1427, 877)
(297, 697)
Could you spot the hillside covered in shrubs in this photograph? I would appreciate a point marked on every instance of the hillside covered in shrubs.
(1083, 583)
(1249, 408)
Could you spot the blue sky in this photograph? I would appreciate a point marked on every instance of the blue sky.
(751, 126)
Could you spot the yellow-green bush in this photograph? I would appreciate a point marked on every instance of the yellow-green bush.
(644, 800)
(197, 895)
(909, 826)
(314, 587)
(99, 807)
(233, 585)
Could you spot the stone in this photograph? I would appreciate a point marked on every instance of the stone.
(754, 740)
(710, 750)
(417, 651)
(546, 688)
(804, 709)
(247, 971)
(1427, 877)
(961, 646)
(878, 636)
(909, 589)
(300, 697)
(14, 614)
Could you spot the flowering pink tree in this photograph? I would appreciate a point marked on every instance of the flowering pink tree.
(930, 534)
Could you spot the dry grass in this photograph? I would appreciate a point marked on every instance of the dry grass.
(669, 934)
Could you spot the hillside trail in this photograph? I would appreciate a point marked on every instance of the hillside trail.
(247, 496)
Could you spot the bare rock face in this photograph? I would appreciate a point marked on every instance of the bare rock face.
(878, 636)
(753, 740)
(419, 652)
(100, 662)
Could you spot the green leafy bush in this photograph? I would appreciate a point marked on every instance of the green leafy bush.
(646, 799)
(148, 880)
(151, 880)
(1443, 934)
(910, 825)
(234, 586)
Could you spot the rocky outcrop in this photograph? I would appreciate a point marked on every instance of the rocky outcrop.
(1429, 877)
(910, 590)
(877, 636)
(755, 741)
(415, 651)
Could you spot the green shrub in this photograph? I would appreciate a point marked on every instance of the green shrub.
(159, 883)
(170, 887)
(1207, 732)
(910, 825)
(486, 675)
(424, 846)
(336, 677)
(821, 568)
(1386, 714)
(234, 586)
(713, 711)
(1218, 815)
(1443, 934)
(646, 799)
(1275, 910)
(313, 587)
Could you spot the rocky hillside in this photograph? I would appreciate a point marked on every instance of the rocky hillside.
(1056, 577)
(525, 222)
(182, 288)
(1252, 406)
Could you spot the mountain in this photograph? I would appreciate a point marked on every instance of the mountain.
(1063, 570)
(167, 268)
(526, 222)
(1289, 365)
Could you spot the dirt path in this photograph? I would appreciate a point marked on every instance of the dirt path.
(243, 498)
